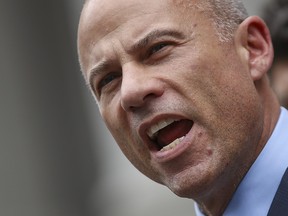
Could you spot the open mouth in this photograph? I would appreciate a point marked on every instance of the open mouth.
(167, 134)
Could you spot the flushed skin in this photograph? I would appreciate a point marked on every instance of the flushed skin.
(180, 70)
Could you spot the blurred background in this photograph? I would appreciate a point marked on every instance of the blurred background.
(56, 156)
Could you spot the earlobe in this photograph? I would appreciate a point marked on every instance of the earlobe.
(255, 39)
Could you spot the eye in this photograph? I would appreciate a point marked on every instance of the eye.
(109, 78)
(156, 48)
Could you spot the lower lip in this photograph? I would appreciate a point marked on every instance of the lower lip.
(178, 150)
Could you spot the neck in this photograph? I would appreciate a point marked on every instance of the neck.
(214, 203)
(271, 110)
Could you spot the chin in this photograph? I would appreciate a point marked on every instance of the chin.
(194, 183)
(185, 190)
(187, 186)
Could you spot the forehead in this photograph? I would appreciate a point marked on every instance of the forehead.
(127, 19)
(107, 15)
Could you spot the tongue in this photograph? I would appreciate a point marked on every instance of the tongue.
(173, 131)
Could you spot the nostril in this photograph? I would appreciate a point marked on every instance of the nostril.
(148, 96)
(138, 90)
(131, 99)
(137, 99)
(132, 109)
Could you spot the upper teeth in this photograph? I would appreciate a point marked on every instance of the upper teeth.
(152, 132)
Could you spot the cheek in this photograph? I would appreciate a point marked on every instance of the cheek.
(116, 123)
(128, 141)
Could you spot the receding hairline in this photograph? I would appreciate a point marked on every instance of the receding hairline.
(225, 15)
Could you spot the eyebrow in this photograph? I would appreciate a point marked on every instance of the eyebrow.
(98, 69)
(153, 35)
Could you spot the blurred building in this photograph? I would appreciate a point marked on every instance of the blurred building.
(275, 13)
(47, 159)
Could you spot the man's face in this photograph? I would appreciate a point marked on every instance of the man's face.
(180, 104)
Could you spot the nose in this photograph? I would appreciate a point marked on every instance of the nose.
(139, 86)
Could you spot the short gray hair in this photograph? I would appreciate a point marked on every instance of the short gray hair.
(226, 16)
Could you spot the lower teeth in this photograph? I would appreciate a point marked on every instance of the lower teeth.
(173, 144)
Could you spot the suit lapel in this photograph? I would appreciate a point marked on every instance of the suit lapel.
(279, 206)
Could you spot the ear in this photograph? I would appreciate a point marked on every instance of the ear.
(254, 37)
